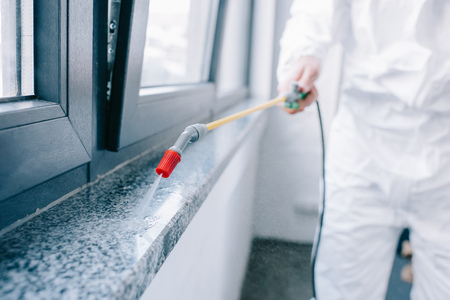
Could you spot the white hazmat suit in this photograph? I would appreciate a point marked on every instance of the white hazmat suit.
(388, 160)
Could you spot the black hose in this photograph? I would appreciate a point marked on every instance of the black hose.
(313, 264)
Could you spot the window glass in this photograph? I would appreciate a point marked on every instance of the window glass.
(178, 42)
(16, 48)
(232, 73)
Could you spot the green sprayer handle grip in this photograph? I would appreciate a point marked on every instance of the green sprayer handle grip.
(294, 104)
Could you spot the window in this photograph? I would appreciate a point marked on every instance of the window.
(162, 76)
(16, 48)
(178, 44)
(55, 117)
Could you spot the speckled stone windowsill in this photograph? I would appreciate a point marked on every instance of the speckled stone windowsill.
(96, 244)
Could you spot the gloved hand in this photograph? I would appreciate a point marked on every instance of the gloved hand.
(305, 70)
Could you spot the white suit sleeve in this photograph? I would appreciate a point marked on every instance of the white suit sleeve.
(312, 28)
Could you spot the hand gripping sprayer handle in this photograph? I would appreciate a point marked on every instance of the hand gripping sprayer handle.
(293, 96)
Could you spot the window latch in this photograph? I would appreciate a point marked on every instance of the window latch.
(113, 26)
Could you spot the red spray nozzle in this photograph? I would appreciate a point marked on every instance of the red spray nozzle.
(169, 161)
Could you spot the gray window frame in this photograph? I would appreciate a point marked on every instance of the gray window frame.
(45, 136)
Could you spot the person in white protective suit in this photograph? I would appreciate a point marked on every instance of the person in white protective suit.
(388, 158)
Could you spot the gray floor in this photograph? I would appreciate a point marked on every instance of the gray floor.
(280, 270)
(398, 289)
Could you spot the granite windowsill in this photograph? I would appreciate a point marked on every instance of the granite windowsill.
(105, 241)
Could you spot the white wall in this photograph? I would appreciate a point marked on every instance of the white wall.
(210, 259)
(290, 166)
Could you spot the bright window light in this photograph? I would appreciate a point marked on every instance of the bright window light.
(16, 48)
(177, 47)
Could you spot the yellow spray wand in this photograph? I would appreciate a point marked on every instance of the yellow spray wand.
(220, 122)
(193, 133)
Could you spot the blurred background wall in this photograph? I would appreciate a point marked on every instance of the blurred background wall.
(290, 166)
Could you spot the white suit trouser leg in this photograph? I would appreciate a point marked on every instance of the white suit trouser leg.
(430, 239)
(356, 250)
(366, 209)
